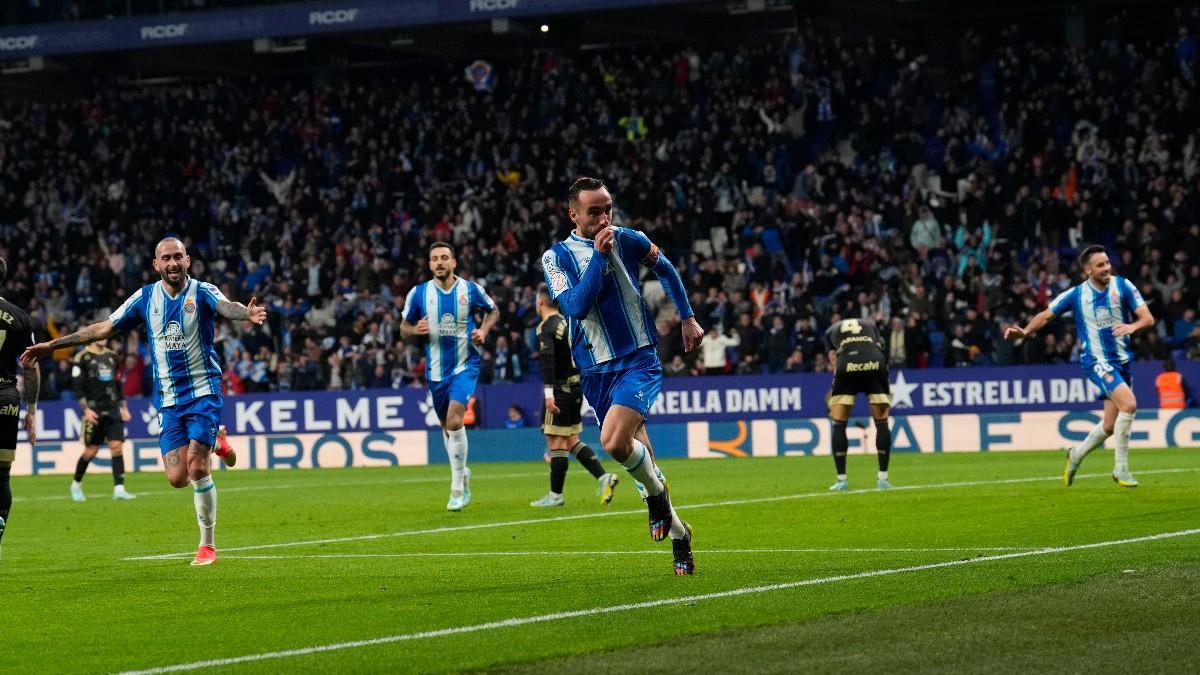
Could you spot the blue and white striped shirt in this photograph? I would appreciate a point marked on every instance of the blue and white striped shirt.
(612, 321)
(448, 350)
(1097, 312)
(180, 333)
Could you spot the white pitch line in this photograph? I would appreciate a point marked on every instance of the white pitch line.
(612, 609)
(603, 514)
(474, 554)
(292, 486)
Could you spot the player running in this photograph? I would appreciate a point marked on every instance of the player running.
(563, 417)
(178, 312)
(102, 400)
(17, 331)
(856, 353)
(451, 353)
(1108, 309)
(593, 277)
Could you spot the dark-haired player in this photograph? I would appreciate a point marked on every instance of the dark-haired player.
(442, 311)
(178, 313)
(563, 402)
(102, 399)
(593, 275)
(1108, 309)
(856, 353)
(16, 334)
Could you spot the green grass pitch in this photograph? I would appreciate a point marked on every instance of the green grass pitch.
(980, 563)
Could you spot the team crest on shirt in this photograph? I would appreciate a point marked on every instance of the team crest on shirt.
(189, 306)
(172, 336)
(462, 300)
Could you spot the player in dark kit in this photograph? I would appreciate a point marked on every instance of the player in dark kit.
(102, 399)
(16, 333)
(856, 353)
(563, 407)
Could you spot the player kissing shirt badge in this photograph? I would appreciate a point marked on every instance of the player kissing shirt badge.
(189, 306)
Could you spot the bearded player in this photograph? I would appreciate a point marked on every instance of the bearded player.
(593, 276)
(1108, 309)
(452, 344)
(178, 313)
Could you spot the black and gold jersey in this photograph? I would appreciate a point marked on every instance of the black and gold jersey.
(94, 375)
(855, 341)
(16, 334)
(554, 352)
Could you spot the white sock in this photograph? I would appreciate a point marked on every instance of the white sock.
(1095, 439)
(456, 450)
(641, 466)
(883, 475)
(842, 476)
(1121, 431)
(650, 481)
(205, 497)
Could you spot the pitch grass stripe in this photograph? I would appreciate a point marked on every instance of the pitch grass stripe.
(603, 514)
(596, 611)
(475, 554)
(292, 486)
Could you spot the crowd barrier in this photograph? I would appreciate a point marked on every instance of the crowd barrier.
(947, 410)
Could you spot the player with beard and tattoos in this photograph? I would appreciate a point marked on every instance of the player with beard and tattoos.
(178, 313)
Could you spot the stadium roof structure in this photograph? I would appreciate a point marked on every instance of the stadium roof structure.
(299, 19)
(347, 35)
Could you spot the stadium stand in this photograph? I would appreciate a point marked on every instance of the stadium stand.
(812, 175)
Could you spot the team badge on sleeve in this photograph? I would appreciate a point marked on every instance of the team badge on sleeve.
(556, 278)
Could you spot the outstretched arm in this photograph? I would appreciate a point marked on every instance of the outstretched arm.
(92, 333)
(254, 312)
(1038, 322)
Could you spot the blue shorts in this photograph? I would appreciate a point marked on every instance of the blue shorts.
(196, 420)
(1109, 376)
(637, 387)
(459, 387)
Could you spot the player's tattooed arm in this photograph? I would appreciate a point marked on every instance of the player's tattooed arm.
(236, 311)
(31, 380)
(96, 331)
(85, 335)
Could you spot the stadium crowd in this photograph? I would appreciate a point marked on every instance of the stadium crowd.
(792, 181)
